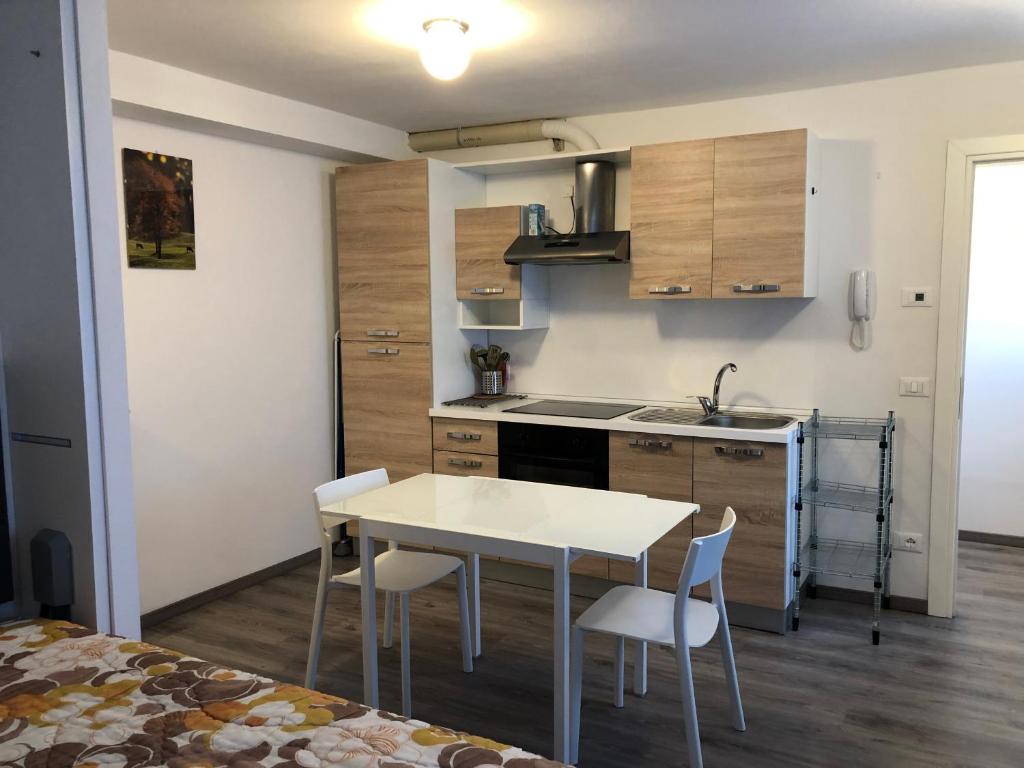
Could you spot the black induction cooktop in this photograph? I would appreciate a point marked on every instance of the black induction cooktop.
(575, 409)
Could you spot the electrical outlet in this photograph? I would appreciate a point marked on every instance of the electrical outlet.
(908, 542)
(568, 191)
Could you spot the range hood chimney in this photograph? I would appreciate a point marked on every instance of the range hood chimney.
(595, 240)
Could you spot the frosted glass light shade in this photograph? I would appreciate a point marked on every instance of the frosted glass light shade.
(444, 50)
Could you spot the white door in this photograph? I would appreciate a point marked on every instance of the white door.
(991, 457)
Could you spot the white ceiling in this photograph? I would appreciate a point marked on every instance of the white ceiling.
(580, 57)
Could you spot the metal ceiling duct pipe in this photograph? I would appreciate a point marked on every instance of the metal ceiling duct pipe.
(502, 133)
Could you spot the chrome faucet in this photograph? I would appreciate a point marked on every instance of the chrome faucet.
(710, 404)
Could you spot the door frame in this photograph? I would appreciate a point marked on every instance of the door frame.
(962, 158)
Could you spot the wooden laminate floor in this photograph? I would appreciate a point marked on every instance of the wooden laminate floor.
(934, 693)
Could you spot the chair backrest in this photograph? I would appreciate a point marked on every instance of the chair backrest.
(344, 488)
(704, 557)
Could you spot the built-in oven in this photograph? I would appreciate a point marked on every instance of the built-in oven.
(543, 453)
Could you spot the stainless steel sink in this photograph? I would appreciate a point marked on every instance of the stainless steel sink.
(744, 421)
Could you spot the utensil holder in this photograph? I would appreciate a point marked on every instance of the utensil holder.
(492, 383)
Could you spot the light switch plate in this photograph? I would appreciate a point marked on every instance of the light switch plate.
(915, 386)
(917, 297)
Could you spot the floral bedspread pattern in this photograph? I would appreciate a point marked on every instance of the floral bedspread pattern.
(73, 697)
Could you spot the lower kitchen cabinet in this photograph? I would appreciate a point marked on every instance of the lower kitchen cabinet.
(751, 478)
(659, 466)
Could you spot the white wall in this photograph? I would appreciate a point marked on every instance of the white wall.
(229, 367)
(991, 462)
(883, 173)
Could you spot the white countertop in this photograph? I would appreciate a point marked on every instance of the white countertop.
(586, 520)
(499, 412)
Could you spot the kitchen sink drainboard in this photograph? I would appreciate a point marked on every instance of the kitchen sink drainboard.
(669, 416)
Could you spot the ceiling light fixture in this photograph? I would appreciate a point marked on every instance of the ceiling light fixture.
(444, 50)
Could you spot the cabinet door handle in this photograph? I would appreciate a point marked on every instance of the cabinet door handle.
(486, 291)
(464, 436)
(729, 450)
(468, 463)
(382, 332)
(757, 288)
(634, 443)
(670, 290)
(382, 351)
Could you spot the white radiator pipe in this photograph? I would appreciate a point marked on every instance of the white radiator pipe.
(502, 133)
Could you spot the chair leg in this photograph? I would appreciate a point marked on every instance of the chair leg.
(317, 633)
(620, 670)
(689, 707)
(464, 626)
(389, 619)
(729, 662)
(576, 678)
(403, 601)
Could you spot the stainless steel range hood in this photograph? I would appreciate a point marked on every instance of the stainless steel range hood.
(595, 241)
(587, 248)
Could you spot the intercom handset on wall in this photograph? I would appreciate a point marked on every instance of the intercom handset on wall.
(862, 306)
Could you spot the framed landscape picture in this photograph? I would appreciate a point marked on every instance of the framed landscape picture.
(159, 211)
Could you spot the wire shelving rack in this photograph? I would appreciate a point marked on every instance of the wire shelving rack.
(844, 557)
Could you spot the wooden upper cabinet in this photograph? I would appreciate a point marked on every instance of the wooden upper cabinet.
(750, 478)
(387, 394)
(762, 187)
(671, 214)
(384, 251)
(659, 466)
(482, 235)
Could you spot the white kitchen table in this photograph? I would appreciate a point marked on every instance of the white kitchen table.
(536, 522)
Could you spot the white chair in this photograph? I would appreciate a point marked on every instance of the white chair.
(674, 620)
(397, 572)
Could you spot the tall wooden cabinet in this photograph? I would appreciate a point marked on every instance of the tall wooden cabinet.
(402, 349)
(724, 218)
(384, 251)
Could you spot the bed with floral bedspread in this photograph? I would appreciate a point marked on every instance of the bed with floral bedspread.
(70, 696)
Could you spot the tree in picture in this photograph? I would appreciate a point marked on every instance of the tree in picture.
(159, 213)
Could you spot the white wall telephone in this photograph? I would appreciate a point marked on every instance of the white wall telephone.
(862, 306)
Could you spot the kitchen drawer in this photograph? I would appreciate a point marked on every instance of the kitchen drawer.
(465, 464)
(466, 436)
(751, 478)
